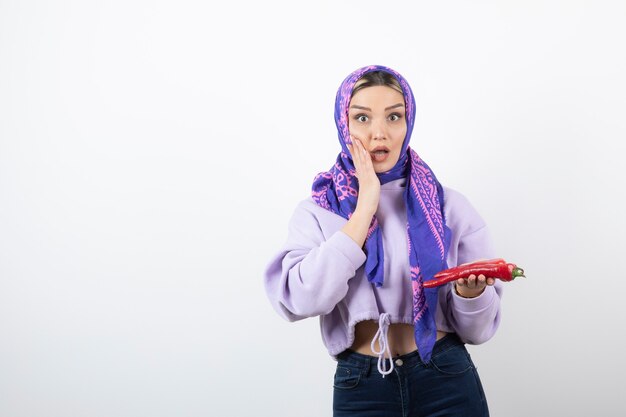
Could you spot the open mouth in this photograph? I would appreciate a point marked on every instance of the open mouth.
(380, 155)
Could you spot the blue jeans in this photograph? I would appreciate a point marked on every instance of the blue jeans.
(447, 386)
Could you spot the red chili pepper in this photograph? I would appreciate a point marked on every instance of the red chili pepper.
(459, 269)
(492, 268)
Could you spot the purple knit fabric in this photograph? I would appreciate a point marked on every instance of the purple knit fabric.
(429, 238)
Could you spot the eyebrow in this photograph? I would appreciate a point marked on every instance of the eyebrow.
(354, 106)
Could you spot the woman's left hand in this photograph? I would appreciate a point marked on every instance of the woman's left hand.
(473, 286)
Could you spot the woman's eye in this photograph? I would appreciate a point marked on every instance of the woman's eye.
(361, 118)
(394, 117)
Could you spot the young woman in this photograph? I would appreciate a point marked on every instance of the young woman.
(377, 225)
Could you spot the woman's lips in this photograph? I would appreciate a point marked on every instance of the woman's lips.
(380, 156)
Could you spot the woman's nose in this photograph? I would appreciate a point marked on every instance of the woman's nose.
(378, 131)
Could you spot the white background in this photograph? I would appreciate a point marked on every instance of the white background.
(152, 152)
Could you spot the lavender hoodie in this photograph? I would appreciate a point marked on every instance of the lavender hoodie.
(319, 272)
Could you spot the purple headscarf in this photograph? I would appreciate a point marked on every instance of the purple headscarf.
(428, 235)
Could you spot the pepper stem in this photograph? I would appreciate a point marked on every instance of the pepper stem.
(517, 272)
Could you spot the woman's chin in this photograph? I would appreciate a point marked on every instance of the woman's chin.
(382, 168)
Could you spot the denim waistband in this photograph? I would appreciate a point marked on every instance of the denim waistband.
(410, 359)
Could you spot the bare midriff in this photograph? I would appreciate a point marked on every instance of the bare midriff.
(400, 337)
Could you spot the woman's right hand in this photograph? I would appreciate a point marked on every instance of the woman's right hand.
(369, 184)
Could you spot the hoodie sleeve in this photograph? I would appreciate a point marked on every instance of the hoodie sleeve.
(475, 320)
(310, 274)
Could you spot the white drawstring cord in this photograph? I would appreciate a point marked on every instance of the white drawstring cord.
(383, 343)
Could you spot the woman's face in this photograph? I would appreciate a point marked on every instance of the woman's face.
(376, 117)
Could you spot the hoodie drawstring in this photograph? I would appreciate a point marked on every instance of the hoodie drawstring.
(383, 344)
